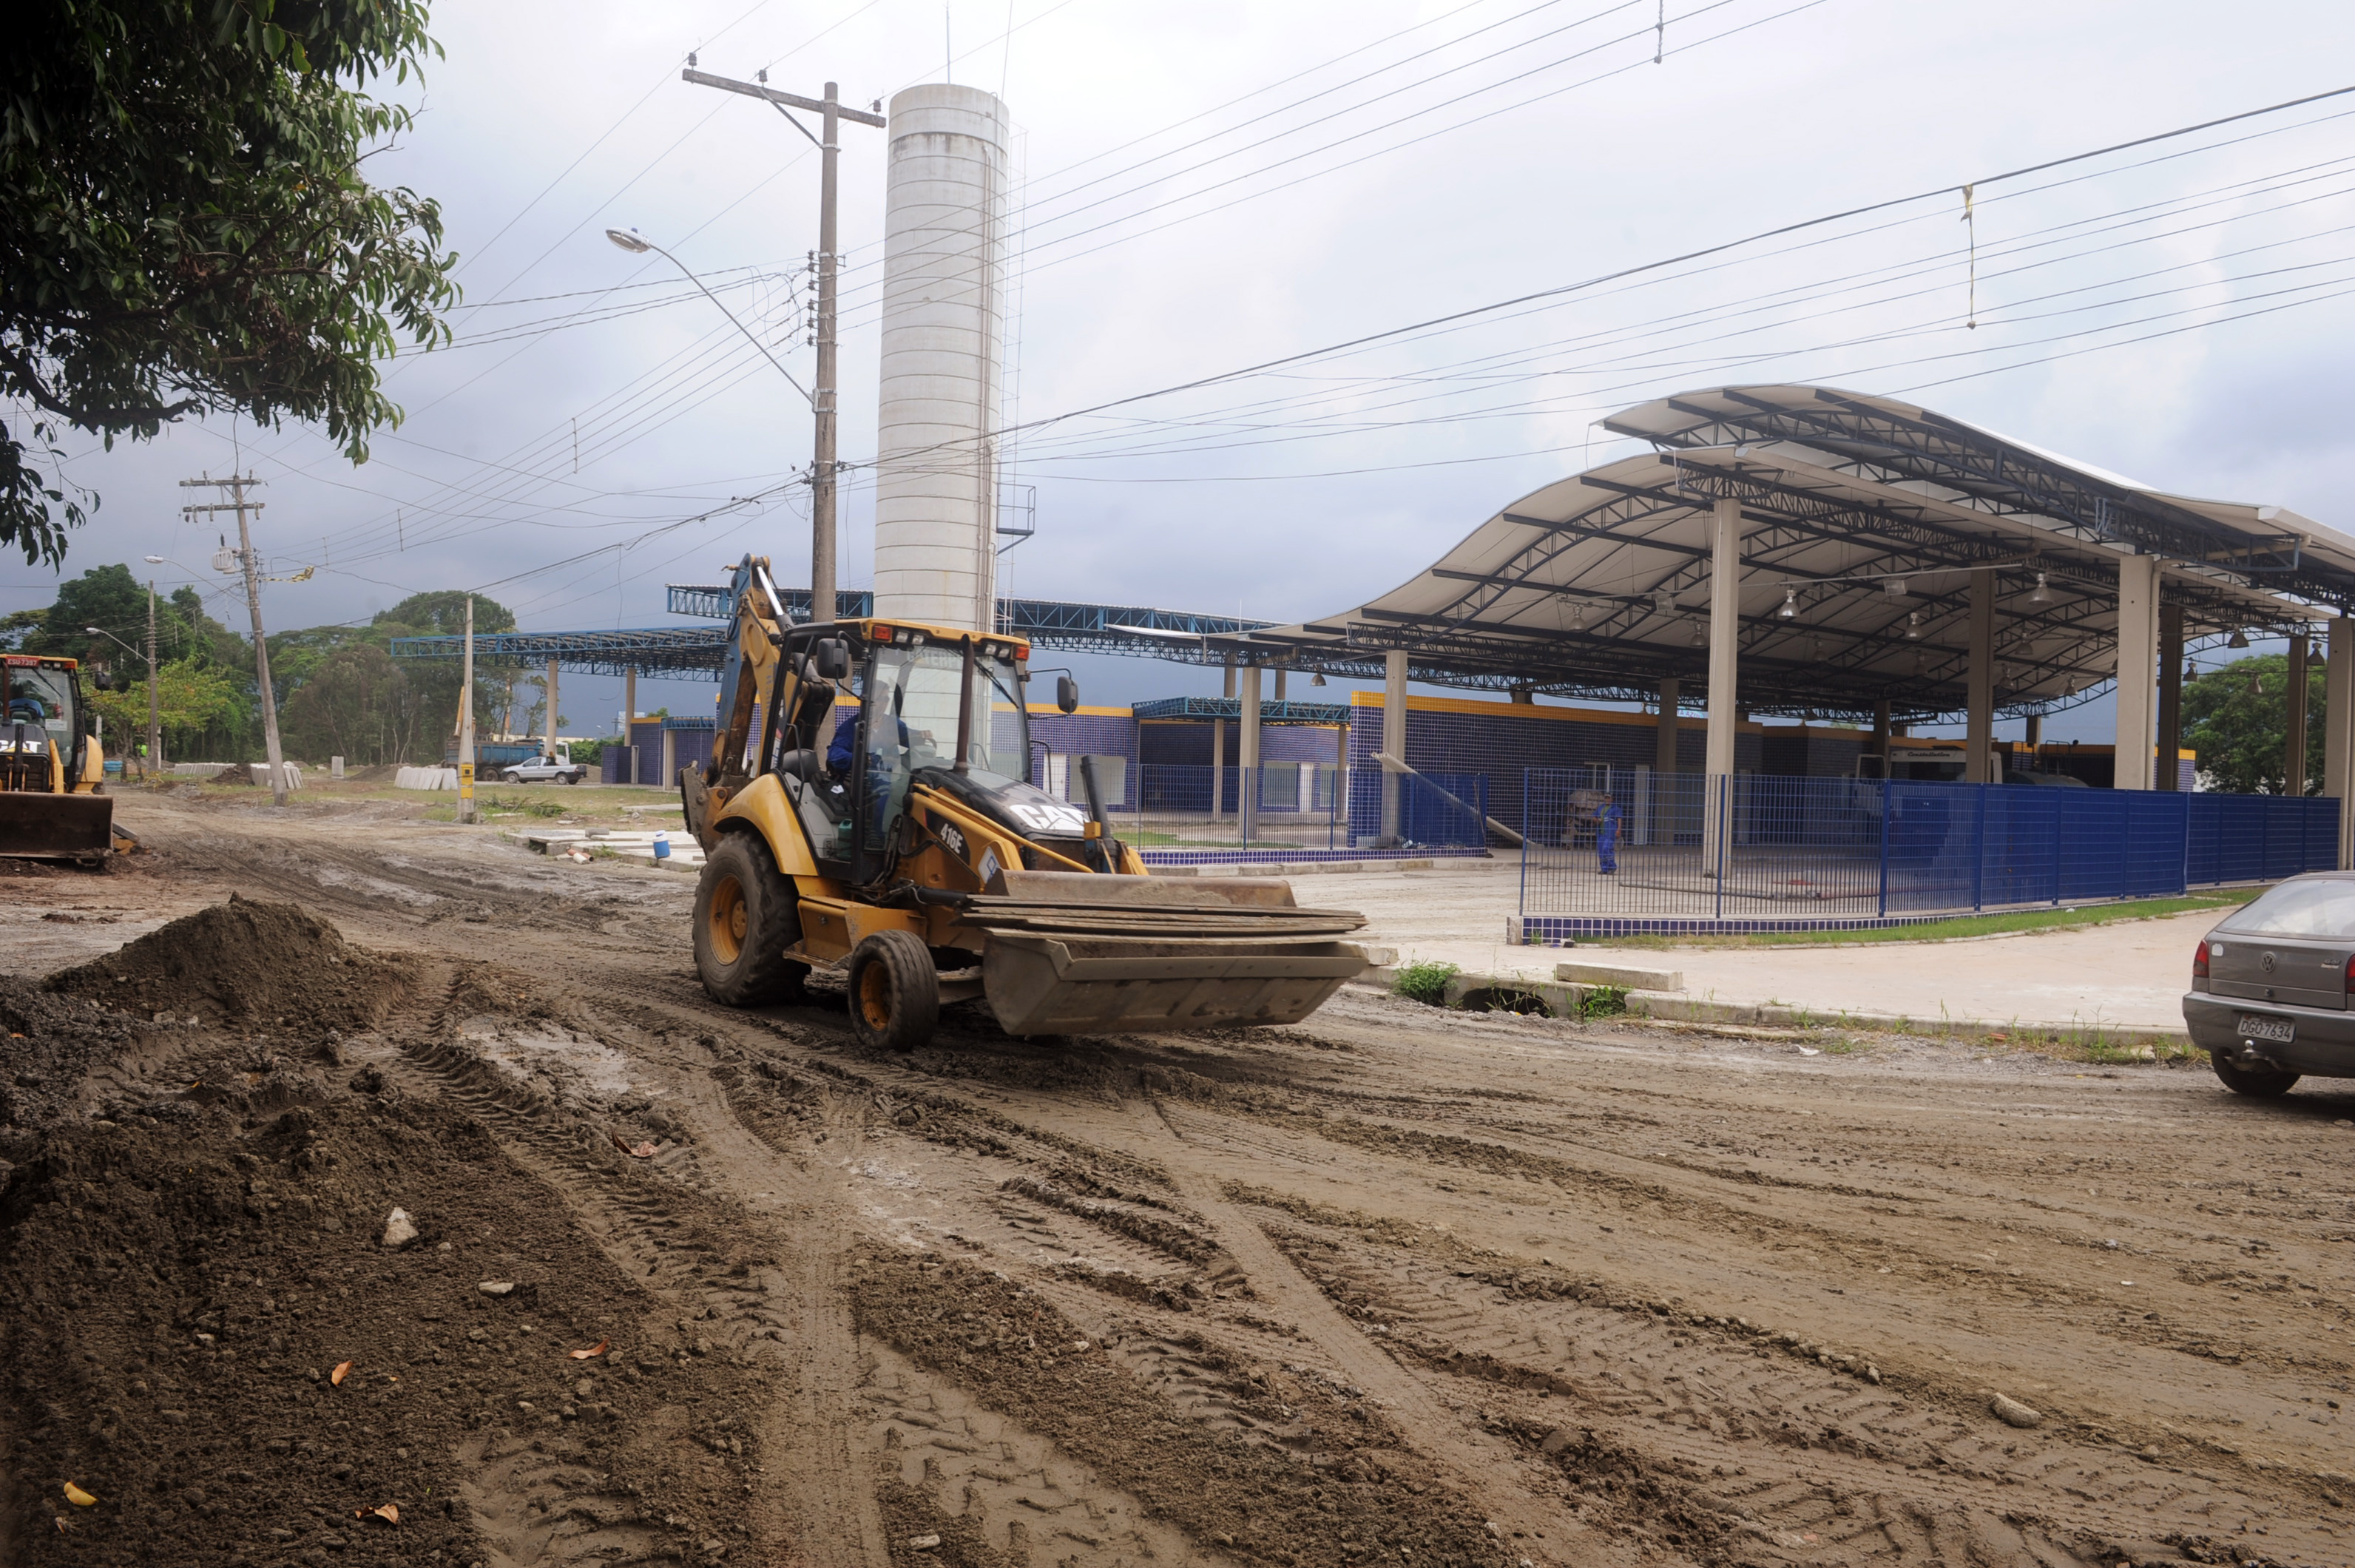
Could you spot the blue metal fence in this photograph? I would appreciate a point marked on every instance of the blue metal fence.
(1436, 810)
(1627, 842)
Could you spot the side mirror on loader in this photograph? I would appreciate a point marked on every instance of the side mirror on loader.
(1067, 694)
(834, 659)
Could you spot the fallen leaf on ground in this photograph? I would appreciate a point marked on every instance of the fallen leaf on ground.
(596, 1349)
(343, 1370)
(77, 1496)
(389, 1513)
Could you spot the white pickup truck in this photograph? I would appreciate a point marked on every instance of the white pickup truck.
(545, 769)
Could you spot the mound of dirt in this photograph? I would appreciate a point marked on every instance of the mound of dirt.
(178, 1284)
(52, 1043)
(244, 965)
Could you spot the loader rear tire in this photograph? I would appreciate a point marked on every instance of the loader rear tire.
(745, 918)
(895, 991)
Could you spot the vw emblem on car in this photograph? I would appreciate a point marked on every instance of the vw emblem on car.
(2267, 963)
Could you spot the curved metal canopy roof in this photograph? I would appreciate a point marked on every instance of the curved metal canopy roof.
(1866, 516)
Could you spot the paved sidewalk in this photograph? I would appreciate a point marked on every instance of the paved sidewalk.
(2131, 974)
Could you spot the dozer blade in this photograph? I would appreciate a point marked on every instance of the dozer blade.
(1070, 953)
(40, 825)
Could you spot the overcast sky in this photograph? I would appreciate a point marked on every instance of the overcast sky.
(1211, 186)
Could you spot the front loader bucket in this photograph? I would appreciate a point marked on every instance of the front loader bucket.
(1074, 954)
(34, 824)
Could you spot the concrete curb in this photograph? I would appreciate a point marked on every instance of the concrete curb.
(1671, 1006)
(1322, 868)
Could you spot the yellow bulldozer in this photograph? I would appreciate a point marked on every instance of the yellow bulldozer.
(52, 803)
(900, 843)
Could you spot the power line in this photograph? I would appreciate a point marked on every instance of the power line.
(1720, 248)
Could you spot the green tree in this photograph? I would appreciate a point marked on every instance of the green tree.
(442, 613)
(190, 698)
(358, 705)
(107, 596)
(2241, 734)
(183, 228)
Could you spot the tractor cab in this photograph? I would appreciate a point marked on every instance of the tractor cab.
(874, 713)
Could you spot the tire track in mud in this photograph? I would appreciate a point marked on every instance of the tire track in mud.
(1478, 1465)
(759, 1300)
(1014, 1489)
(1796, 1449)
(1185, 1228)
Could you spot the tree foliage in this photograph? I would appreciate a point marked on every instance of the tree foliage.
(190, 698)
(442, 613)
(339, 691)
(359, 706)
(184, 228)
(2240, 735)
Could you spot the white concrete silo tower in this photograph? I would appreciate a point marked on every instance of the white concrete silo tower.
(944, 355)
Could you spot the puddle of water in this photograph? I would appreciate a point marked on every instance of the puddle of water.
(582, 1064)
(877, 1172)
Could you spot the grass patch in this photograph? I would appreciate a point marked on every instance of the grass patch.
(1601, 1001)
(1424, 983)
(521, 805)
(1963, 925)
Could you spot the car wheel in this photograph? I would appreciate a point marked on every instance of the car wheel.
(746, 915)
(895, 991)
(2258, 1083)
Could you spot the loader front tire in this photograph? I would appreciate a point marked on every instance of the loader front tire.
(895, 991)
(745, 918)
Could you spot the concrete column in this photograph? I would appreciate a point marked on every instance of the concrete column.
(670, 756)
(551, 708)
(2138, 732)
(1280, 673)
(2171, 697)
(1393, 736)
(2294, 752)
(1881, 734)
(1247, 759)
(1980, 684)
(1218, 753)
(2338, 722)
(1724, 658)
(629, 702)
(1724, 634)
(1663, 744)
(943, 323)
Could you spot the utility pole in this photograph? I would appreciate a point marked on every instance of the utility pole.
(466, 723)
(237, 487)
(824, 464)
(155, 703)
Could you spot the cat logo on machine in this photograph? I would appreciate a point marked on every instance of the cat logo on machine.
(1054, 821)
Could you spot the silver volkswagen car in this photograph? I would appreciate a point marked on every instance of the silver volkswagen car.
(2273, 987)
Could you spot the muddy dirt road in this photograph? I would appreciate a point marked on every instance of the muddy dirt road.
(1398, 1286)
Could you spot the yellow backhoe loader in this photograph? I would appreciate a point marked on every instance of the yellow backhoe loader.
(51, 769)
(903, 846)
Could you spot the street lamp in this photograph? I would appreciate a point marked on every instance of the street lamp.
(638, 245)
(822, 601)
(155, 741)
